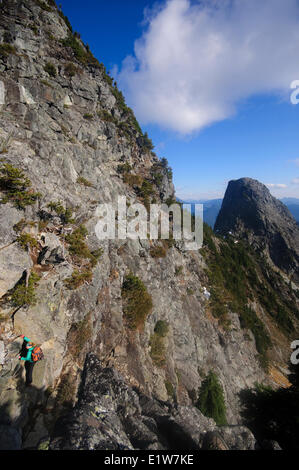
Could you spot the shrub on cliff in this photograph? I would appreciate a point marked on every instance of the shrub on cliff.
(25, 240)
(23, 295)
(158, 252)
(161, 328)
(16, 187)
(78, 278)
(65, 214)
(137, 302)
(6, 50)
(157, 344)
(50, 69)
(211, 399)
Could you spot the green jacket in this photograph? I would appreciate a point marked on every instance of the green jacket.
(28, 357)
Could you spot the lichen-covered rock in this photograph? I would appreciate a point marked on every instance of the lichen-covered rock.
(111, 415)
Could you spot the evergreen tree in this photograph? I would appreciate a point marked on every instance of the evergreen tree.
(211, 399)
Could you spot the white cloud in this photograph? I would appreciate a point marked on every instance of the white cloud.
(295, 181)
(276, 185)
(196, 60)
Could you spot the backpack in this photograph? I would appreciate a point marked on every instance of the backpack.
(37, 354)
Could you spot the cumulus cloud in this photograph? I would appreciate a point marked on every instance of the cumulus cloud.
(197, 60)
(276, 185)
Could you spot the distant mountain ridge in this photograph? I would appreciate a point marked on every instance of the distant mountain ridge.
(211, 208)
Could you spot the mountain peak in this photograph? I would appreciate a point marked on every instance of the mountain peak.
(250, 211)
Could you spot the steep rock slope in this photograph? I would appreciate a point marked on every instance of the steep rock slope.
(69, 142)
(109, 415)
(249, 210)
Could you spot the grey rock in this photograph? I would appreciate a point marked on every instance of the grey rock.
(10, 438)
(111, 415)
(2, 352)
(249, 211)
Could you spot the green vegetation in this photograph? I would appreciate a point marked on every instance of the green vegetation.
(23, 295)
(6, 49)
(170, 200)
(167, 168)
(158, 251)
(104, 115)
(157, 344)
(66, 392)
(232, 272)
(77, 245)
(146, 143)
(178, 270)
(250, 321)
(15, 186)
(170, 389)
(50, 69)
(120, 100)
(78, 278)
(124, 168)
(129, 122)
(190, 291)
(237, 276)
(80, 333)
(132, 180)
(161, 328)
(88, 116)
(157, 351)
(65, 214)
(83, 55)
(66, 20)
(34, 28)
(84, 182)
(79, 249)
(19, 226)
(211, 399)
(145, 191)
(25, 240)
(158, 171)
(43, 5)
(71, 69)
(137, 302)
(44, 82)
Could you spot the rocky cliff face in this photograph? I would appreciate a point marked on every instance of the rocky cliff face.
(110, 415)
(248, 210)
(68, 142)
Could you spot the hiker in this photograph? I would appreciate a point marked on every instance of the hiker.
(30, 354)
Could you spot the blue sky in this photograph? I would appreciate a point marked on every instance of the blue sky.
(209, 82)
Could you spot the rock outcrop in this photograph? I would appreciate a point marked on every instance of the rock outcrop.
(111, 415)
(249, 211)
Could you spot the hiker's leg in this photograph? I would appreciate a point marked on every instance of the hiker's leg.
(29, 368)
